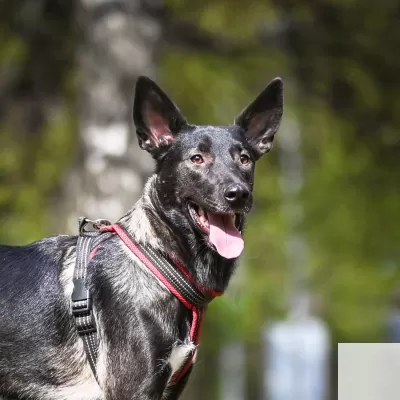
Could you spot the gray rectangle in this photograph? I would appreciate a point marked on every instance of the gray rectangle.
(369, 371)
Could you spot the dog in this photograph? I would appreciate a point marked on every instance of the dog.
(192, 209)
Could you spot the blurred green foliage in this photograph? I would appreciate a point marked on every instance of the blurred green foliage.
(37, 115)
(341, 62)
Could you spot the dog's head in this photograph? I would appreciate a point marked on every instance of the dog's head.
(205, 173)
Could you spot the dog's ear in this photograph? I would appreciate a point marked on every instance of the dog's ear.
(156, 117)
(260, 120)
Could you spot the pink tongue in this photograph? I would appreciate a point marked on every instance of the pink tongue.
(224, 236)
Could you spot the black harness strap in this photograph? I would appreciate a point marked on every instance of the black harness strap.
(176, 277)
(81, 299)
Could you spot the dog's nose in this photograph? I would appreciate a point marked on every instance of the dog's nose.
(236, 194)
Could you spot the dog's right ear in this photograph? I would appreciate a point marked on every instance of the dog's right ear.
(157, 119)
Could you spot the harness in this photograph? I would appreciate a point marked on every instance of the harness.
(168, 271)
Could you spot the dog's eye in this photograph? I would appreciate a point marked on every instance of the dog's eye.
(197, 159)
(244, 159)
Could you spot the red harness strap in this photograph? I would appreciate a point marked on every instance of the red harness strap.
(170, 282)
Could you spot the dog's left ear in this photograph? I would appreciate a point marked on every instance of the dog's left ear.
(157, 119)
(260, 120)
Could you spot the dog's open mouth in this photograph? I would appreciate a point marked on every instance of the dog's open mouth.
(221, 229)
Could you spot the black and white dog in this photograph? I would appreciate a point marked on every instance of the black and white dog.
(192, 210)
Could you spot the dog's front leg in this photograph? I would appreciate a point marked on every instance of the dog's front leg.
(135, 363)
(173, 392)
(136, 383)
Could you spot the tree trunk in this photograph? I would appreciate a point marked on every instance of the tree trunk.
(118, 42)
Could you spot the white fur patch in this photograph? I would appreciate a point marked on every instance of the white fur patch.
(179, 355)
(84, 387)
(67, 272)
(89, 391)
(101, 366)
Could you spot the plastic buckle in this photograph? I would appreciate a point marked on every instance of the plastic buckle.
(82, 304)
(80, 294)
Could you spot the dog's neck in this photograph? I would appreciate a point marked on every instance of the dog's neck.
(150, 226)
(137, 221)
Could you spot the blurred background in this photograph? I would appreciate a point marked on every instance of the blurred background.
(321, 264)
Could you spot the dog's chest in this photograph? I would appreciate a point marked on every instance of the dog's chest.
(81, 388)
(179, 356)
(88, 390)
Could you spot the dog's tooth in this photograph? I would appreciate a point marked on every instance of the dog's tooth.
(201, 212)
